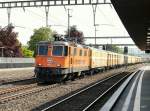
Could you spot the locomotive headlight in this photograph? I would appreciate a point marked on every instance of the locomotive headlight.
(39, 64)
(58, 65)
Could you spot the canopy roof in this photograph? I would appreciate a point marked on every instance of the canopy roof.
(135, 15)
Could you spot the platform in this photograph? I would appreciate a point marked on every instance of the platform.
(8, 74)
(16, 69)
(135, 96)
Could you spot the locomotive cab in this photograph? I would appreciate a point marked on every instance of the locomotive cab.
(50, 60)
(60, 60)
(51, 55)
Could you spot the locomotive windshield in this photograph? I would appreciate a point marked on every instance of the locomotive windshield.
(60, 51)
(57, 50)
(43, 50)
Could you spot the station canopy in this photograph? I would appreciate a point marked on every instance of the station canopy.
(135, 15)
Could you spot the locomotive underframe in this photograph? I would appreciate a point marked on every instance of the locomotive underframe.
(48, 74)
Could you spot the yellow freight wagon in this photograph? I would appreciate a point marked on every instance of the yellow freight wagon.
(98, 58)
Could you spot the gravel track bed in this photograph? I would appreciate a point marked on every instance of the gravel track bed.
(19, 91)
(37, 99)
(86, 97)
(16, 74)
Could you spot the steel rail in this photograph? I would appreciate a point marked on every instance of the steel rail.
(15, 96)
(111, 102)
(16, 88)
(25, 93)
(102, 95)
(85, 89)
(10, 81)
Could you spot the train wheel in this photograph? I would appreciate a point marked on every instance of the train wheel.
(72, 76)
(82, 75)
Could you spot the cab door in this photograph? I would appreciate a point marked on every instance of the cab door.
(71, 59)
(108, 60)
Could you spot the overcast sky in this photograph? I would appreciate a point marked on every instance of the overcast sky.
(82, 17)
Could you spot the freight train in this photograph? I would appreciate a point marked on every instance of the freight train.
(59, 61)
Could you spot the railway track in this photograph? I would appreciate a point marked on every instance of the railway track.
(114, 99)
(22, 92)
(24, 80)
(25, 90)
(84, 99)
(16, 88)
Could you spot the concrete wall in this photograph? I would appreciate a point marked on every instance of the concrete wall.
(16, 62)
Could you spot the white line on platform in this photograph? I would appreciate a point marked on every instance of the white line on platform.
(137, 101)
(109, 104)
(129, 96)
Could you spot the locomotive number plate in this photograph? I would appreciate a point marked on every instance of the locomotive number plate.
(49, 60)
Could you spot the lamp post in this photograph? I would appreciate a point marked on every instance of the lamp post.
(47, 12)
(94, 7)
(95, 25)
(2, 54)
(8, 14)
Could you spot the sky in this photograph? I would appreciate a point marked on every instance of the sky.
(82, 16)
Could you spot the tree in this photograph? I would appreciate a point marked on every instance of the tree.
(75, 35)
(26, 52)
(10, 45)
(41, 34)
(58, 37)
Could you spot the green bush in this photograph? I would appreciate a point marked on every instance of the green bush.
(26, 52)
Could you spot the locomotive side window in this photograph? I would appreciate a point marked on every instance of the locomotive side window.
(66, 51)
(57, 50)
(71, 51)
(80, 52)
(75, 51)
(43, 49)
(85, 53)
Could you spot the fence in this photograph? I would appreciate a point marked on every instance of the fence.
(16, 62)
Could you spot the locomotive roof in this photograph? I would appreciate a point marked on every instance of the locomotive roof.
(68, 43)
(62, 43)
(44, 42)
